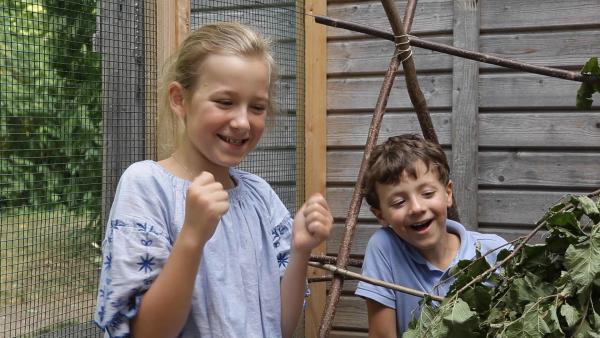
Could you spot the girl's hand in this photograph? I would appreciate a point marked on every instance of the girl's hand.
(206, 202)
(312, 224)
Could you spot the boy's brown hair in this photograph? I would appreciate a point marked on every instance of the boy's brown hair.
(398, 155)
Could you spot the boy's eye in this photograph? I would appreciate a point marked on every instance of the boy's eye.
(397, 203)
(428, 193)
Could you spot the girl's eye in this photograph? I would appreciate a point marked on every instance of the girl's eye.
(259, 109)
(224, 103)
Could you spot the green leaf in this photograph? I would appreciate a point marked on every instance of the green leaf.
(537, 321)
(585, 91)
(460, 320)
(570, 314)
(583, 261)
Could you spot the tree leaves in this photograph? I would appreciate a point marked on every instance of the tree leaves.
(545, 290)
(585, 91)
(583, 261)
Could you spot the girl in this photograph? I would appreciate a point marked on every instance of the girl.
(195, 248)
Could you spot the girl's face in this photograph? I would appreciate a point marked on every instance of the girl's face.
(225, 112)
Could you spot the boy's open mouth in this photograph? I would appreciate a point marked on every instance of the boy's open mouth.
(421, 225)
(231, 140)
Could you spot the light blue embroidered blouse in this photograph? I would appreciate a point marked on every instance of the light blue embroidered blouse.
(237, 291)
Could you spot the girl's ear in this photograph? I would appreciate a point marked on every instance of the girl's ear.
(449, 187)
(379, 216)
(177, 99)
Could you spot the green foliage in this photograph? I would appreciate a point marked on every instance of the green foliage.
(543, 290)
(585, 91)
(51, 113)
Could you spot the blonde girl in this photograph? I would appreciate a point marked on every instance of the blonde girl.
(195, 247)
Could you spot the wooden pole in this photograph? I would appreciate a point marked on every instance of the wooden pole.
(315, 103)
(465, 112)
(172, 26)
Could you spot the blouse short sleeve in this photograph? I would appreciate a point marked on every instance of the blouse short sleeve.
(135, 249)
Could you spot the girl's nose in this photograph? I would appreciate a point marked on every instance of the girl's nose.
(240, 120)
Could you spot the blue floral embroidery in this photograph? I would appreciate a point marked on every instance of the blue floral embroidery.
(101, 313)
(104, 293)
(282, 259)
(116, 223)
(145, 228)
(277, 233)
(108, 262)
(146, 263)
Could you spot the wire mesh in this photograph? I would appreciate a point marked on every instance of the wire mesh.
(76, 96)
(279, 157)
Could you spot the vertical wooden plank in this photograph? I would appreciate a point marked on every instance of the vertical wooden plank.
(465, 103)
(172, 26)
(315, 75)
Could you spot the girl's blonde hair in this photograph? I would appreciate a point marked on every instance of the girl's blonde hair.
(226, 38)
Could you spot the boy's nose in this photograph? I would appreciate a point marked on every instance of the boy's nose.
(416, 206)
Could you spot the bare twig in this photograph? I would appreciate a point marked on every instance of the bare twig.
(354, 275)
(357, 196)
(409, 15)
(481, 57)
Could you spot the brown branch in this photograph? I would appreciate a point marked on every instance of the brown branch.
(374, 281)
(540, 225)
(477, 56)
(357, 196)
(409, 14)
(410, 73)
(333, 260)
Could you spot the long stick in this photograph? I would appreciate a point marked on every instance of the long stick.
(481, 57)
(357, 196)
(354, 275)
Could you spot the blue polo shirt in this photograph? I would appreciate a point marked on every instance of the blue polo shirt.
(391, 259)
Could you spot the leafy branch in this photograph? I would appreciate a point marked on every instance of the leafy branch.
(542, 290)
(586, 90)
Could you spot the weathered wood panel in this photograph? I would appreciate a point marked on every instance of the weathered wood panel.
(517, 14)
(495, 91)
(502, 168)
(350, 130)
(563, 49)
(361, 93)
(430, 16)
(373, 56)
(541, 169)
(351, 313)
(526, 90)
(571, 129)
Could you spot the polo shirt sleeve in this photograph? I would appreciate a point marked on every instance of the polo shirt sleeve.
(377, 265)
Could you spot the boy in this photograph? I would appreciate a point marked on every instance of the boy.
(408, 188)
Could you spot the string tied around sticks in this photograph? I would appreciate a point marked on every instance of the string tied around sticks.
(399, 44)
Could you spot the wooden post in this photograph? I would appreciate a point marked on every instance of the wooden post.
(465, 110)
(315, 102)
(173, 25)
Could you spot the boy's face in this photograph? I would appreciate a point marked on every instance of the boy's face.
(416, 209)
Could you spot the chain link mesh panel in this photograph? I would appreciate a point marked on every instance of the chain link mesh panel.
(77, 84)
(279, 156)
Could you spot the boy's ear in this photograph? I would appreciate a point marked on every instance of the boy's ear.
(379, 216)
(449, 187)
(176, 94)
